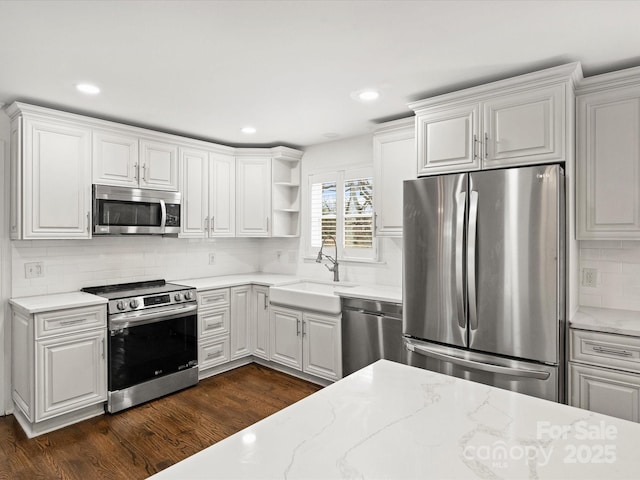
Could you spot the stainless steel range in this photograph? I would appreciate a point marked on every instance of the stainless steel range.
(152, 347)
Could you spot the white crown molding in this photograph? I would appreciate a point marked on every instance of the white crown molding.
(621, 78)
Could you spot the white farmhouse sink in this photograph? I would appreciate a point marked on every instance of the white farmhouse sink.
(309, 295)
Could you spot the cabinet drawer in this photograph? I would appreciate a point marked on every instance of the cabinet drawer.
(605, 349)
(213, 321)
(213, 352)
(213, 298)
(70, 320)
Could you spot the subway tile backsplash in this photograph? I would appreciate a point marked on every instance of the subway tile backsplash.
(618, 278)
(72, 264)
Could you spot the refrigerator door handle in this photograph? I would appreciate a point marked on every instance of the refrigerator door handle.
(460, 210)
(471, 259)
(485, 367)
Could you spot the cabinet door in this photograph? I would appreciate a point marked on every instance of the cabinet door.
(159, 165)
(394, 159)
(524, 128)
(240, 321)
(15, 179)
(605, 391)
(322, 346)
(608, 165)
(222, 195)
(115, 158)
(253, 196)
(448, 140)
(285, 340)
(194, 168)
(70, 373)
(213, 321)
(260, 327)
(57, 180)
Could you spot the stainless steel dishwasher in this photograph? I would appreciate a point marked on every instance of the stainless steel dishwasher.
(371, 330)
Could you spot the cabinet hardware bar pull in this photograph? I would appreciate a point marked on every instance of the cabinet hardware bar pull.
(297, 328)
(486, 145)
(103, 347)
(267, 224)
(210, 355)
(136, 172)
(375, 223)
(266, 302)
(72, 322)
(213, 224)
(475, 146)
(611, 351)
(88, 222)
(144, 172)
(206, 224)
(303, 332)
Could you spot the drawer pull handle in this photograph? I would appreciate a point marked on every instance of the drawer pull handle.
(212, 355)
(611, 351)
(72, 322)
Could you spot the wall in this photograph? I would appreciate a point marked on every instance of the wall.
(618, 279)
(72, 264)
(278, 254)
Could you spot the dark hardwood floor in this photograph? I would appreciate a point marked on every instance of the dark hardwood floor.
(148, 438)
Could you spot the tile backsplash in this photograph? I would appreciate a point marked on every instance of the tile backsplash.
(617, 282)
(69, 265)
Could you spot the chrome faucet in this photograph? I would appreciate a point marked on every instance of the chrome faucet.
(334, 261)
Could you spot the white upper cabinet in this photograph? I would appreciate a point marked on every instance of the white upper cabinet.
(158, 165)
(122, 158)
(222, 195)
(253, 196)
(608, 157)
(208, 193)
(448, 140)
(194, 169)
(394, 160)
(51, 168)
(518, 121)
(115, 158)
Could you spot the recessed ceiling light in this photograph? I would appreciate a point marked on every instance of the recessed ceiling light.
(88, 88)
(331, 135)
(248, 130)
(368, 95)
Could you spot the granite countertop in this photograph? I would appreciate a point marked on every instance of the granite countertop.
(394, 421)
(57, 301)
(608, 320)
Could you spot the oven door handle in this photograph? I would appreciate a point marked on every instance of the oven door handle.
(125, 320)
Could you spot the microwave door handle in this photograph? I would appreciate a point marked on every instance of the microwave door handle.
(163, 207)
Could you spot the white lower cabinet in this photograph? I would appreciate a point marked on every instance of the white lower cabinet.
(604, 373)
(260, 320)
(240, 321)
(306, 341)
(59, 366)
(214, 325)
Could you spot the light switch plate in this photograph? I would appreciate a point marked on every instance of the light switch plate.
(212, 258)
(33, 270)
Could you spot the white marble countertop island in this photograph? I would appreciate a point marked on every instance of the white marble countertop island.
(393, 421)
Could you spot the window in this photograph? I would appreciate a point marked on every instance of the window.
(342, 207)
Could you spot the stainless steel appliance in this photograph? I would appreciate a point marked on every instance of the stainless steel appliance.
(152, 348)
(135, 211)
(371, 330)
(484, 277)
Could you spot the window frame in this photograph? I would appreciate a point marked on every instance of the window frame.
(340, 177)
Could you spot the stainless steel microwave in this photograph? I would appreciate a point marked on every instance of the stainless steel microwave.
(135, 211)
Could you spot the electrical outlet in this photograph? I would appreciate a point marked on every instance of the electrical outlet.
(212, 258)
(589, 277)
(278, 254)
(33, 270)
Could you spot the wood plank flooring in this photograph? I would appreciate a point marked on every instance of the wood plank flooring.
(148, 438)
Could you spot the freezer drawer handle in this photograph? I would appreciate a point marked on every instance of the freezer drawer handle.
(485, 367)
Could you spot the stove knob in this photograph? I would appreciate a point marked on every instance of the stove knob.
(188, 295)
(134, 303)
(177, 297)
(121, 305)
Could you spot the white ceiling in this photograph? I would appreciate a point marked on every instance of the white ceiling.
(207, 68)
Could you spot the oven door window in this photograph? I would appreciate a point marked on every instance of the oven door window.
(129, 214)
(144, 352)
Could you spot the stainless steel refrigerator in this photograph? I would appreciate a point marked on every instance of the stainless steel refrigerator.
(484, 277)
